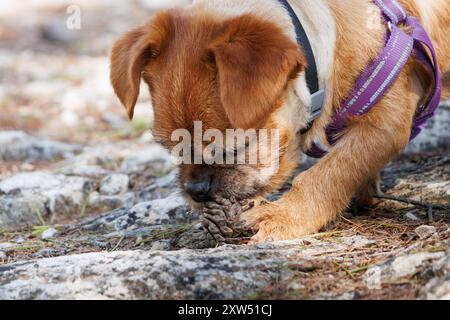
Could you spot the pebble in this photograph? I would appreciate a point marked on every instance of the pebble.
(19, 239)
(6, 245)
(114, 184)
(47, 252)
(163, 245)
(411, 217)
(424, 232)
(447, 232)
(50, 233)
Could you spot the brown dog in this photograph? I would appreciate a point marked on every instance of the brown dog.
(236, 64)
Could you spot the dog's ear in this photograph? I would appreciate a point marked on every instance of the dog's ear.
(255, 61)
(129, 56)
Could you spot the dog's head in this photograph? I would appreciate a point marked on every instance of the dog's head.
(235, 73)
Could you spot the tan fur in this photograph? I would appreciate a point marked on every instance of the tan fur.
(251, 74)
(240, 71)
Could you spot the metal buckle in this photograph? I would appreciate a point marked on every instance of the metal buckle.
(389, 26)
(317, 101)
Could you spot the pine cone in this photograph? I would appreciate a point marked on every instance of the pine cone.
(221, 219)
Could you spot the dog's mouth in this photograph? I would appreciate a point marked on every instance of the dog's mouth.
(236, 192)
(200, 201)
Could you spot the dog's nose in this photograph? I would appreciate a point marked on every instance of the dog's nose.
(200, 190)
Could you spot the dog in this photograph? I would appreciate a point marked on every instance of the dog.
(237, 64)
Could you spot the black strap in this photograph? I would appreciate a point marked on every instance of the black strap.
(302, 39)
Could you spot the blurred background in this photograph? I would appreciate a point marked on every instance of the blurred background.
(54, 70)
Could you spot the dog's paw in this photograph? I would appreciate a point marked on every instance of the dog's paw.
(277, 221)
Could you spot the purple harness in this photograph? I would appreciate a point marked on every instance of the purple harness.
(382, 73)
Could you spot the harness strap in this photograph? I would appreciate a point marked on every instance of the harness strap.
(382, 73)
(312, 78)
(423, 45)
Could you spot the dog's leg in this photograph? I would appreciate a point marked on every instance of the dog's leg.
(365, 197)
(323, 192)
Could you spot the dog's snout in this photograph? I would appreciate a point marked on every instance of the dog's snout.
(200, 190)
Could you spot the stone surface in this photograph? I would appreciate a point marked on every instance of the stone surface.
(408, 266)
(153, 156)
(437, 133)
(224, 273)
(156, 212)
(160, 188)
(101, 203)
(18, 146)
(114, 184)
(50, 233)
(89, 171)
(438, 288)
(16, 212)
(411, 216)
(425, 231)
(26, 198)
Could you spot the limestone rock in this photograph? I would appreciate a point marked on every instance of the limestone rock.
(425, 232)
(114, 184)
(28, 195)
(18, 146)
(157, 212)
(153, 156)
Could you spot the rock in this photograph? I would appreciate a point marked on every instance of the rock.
(420, 178)
(438, 288)
(93, 172)
(230, 272)
(30, 196)
(18, 146)
(357, 241)
(107, 157)
(425, 232)
(114, 120)
(114, 184)
(160, 188)
(50, 233)
(48, 252)
(16, 212)
(157, 212)
(100, 203)
(56, 31)
(411, 217)
(140, 275)
(3, 256)
(447, 232)
(195, 238)
(163, 245)
(6, 246)
(19, 239)
(410, 265)
(437, 133)
(153, 157)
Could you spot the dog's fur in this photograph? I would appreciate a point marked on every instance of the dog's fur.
(236, 64)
